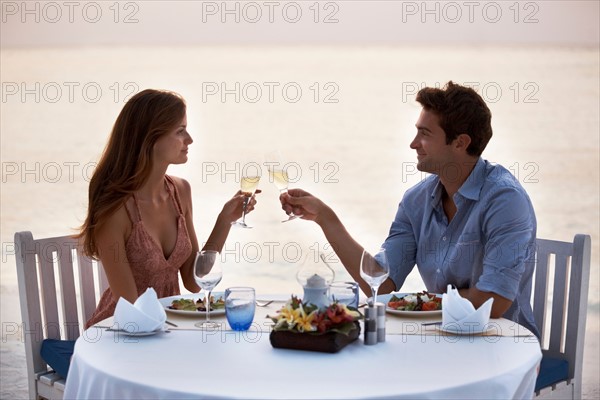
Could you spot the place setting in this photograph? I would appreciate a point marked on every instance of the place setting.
(447, 314)
(236, 304)
(145, 317)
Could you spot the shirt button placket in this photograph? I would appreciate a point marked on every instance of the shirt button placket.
(444, 246)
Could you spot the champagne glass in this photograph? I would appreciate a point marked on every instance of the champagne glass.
(374, 270)
(208, 273)
(279, 176)
(249, 183)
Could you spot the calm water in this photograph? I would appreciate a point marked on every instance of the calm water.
(344, 117)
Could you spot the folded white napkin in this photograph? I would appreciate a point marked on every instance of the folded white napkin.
(145, 315)
(459, 315)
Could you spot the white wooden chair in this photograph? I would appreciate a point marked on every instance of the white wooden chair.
(52, 311)
(561, 314)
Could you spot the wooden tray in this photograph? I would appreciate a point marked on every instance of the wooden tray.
(330, 342)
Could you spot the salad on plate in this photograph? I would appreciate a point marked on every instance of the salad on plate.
(423, 301)
(192, 304)
(183, 304)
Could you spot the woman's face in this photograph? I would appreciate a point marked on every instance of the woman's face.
(172, 148)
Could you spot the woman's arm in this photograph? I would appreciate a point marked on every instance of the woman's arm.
(110, 240)
(232, 211)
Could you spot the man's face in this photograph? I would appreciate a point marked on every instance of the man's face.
(433, 154)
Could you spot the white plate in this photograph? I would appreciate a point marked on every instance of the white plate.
(385, 298)
(166, 302)
(468, 331)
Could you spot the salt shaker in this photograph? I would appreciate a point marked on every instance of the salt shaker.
(370, 325)
(380, 322)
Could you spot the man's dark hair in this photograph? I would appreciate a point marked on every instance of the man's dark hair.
(460, 110)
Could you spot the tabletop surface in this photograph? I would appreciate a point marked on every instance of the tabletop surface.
(411, 363)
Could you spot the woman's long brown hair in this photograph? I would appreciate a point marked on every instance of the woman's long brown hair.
(127, 159)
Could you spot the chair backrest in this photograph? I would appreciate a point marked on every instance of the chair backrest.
(567, 302)
(52, 306)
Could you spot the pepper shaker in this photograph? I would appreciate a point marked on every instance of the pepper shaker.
(380, 322)
(370, 325)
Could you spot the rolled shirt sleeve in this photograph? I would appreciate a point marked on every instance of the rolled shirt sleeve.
(509, 226)
(401, 247)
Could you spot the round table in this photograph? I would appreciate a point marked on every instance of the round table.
(226, 364)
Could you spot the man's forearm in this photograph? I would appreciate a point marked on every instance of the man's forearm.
(477, 297)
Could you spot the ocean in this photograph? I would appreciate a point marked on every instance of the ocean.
(341, 116)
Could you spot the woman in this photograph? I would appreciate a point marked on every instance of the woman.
(139, 221)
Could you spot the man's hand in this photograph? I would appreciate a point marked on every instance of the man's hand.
(301, 202)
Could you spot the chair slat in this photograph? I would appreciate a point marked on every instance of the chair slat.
(69, 297)
(541, 291)
(48, 289)
(29, 300)
(559, 304)
(577, 312)
(554, 246)
(86, 285)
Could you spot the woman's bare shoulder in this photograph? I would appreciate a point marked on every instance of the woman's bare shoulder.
(183, 187)
(118, 224)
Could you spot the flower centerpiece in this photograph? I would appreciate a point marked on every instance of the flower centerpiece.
(305, 326)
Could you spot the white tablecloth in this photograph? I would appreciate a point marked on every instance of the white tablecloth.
(226, 364)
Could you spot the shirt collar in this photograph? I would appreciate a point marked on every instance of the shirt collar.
(470, 189)
(436, 193)
(472, 186)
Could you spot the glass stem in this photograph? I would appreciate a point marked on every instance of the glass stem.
(374, 290)
(244, 209)
(207, 305)
(291, 214)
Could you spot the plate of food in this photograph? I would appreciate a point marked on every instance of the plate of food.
(422, 304)
(193, 304)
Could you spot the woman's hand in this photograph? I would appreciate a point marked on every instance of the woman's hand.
(232, 210)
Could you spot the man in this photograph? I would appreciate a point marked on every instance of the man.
(469, 224)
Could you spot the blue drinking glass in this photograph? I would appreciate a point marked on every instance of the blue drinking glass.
(239, 307)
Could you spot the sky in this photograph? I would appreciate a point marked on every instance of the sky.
(65, 23)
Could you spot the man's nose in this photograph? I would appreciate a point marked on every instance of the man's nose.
(414, 143)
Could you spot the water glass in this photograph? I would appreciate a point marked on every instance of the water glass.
(239, 307)
(344, 293)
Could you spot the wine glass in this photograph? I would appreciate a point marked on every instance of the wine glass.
(374, 270)
(248, 183)
(279, 176)
(208, 273)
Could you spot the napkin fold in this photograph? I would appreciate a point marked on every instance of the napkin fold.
(459, 314)
(145, 315)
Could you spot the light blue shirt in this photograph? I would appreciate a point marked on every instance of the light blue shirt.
(489, 244)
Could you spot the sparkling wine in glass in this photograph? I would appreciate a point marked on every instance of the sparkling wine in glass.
(208, 272)
(279, 176)
(374, 270)
(248, 185)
